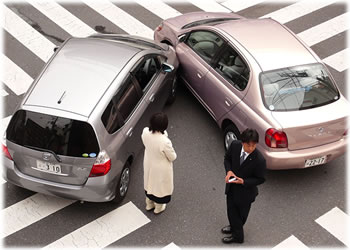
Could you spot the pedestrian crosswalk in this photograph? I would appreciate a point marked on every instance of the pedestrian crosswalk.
(103, 231)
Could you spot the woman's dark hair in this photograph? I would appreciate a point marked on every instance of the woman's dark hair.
(158, 122)
(250, 135)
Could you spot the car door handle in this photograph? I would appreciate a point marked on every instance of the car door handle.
(129, 133)
(199, 75)
(227, 103)
(151, 98)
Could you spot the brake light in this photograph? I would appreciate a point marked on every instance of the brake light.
(6, 152)
(345, 132)
(102, 165)
(275, 138)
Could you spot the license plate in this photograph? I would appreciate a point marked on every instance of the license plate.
(48, 167)
(316, 161)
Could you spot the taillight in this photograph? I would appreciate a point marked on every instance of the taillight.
(102, 165)
(275, 138)
(6, 152)
(345, 132)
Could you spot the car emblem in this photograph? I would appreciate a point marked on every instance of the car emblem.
(321, 130)
(46, 156)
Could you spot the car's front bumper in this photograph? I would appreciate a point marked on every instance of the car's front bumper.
(95, 189)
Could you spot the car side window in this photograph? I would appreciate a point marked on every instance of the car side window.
(205, 43)
(122, 104)
(233, 68)
(146, 71)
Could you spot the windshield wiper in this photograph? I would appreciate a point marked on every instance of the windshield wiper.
(45, 150)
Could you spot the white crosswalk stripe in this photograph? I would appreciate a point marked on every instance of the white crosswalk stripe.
(337, 223)
(236, 6)
(325, 30)
(171, 246)
(159, 8)
(30, 210)
(120, 18)
(339, 61)
(297, 10)
(14, 77)
(210, 6)
(4, 93)
(104, 230)
(63, 18)
(291, 243)
(27, 35)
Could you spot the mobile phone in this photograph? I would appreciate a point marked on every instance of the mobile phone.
(232, 179)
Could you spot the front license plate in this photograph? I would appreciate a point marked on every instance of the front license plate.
(48, 167)
(316, 161)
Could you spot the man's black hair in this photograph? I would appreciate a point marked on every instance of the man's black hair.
(250, 135)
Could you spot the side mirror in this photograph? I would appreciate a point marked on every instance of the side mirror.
(182, 38)
(167, 68)
(54, 49)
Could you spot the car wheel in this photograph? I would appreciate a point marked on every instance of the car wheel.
(123, 184)
(231, 133)
(172, 95)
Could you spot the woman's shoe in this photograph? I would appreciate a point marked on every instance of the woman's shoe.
(159, 208)
(149, 204)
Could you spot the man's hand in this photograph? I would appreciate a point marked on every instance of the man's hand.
(231, 174)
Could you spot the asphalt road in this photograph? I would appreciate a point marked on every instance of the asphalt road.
(288, 203)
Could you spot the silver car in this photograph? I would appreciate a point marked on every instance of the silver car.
(78, 128)
(257, 73)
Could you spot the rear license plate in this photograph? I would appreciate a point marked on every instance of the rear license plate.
(316, 161)
(48, 167)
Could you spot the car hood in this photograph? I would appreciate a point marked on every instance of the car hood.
(316, 126)
(179, 21)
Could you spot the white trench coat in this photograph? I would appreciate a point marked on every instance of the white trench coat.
(158, 163)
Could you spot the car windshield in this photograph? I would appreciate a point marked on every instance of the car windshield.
(297, 88)
(61, 136)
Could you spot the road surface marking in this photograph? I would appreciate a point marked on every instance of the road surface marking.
(291, 243)
(339, 61)
(159, 8)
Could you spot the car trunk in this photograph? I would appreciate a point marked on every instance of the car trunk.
(52, 148)
(313, 127)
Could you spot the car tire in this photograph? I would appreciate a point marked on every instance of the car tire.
(173, 91)
(231, 133)
(123, 184)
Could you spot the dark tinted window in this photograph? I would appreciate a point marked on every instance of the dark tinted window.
(61, 135)
(296, 88)
(146, 71)
(206, 44)
(122, 105)
(232, 67)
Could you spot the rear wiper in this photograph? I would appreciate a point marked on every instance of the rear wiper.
(45, 150)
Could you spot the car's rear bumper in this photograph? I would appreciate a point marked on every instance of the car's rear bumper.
(95, 189)
(296, 159)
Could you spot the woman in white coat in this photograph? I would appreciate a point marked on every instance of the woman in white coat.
(158, 163)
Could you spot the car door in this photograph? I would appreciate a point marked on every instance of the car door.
(195, 55)
(226, 81)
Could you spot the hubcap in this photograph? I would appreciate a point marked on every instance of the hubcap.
(124, 181)
(229, 138)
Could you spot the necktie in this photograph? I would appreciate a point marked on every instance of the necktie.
(241, 160)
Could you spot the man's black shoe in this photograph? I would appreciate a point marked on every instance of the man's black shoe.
(231, 239)
(226, 230)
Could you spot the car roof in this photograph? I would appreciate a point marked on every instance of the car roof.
(80, 74)
(270, 43)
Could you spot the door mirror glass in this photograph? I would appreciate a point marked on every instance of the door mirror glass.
(182, 38)
(167, 68)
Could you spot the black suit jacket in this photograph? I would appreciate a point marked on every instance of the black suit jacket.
(252, 171)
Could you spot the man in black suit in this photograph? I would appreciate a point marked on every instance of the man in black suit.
(245, 169)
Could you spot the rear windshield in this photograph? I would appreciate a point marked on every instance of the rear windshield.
(61, 135)
(297, 88)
